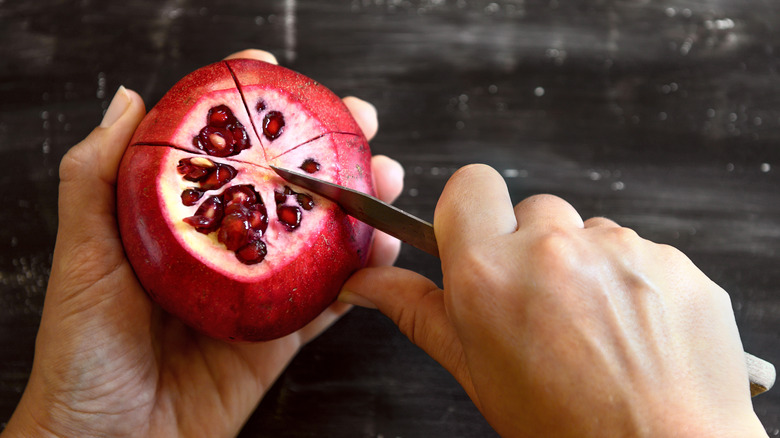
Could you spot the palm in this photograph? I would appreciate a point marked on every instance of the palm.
(175, 377)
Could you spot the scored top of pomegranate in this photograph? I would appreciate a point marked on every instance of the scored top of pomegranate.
(207, 224)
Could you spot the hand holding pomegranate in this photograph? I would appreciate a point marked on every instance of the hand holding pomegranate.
(108, 362)
(559, 327)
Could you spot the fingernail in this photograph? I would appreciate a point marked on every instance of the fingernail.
(118, 106)
(358, 300)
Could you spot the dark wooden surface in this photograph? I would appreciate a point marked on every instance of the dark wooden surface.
(663, 115)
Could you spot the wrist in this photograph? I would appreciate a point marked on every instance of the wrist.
(25, 423)
(732, 425)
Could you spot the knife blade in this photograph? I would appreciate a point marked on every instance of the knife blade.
(419, 233)
(370, 210)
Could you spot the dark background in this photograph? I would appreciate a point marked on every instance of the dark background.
(663, 115)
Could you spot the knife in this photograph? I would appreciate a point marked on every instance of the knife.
(370, 210)
(419, 234)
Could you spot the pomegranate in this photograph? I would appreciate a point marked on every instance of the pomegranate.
(213, 234)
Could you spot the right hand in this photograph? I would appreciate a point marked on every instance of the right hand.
(559, 327)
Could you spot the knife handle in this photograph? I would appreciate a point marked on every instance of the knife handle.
(760, 373)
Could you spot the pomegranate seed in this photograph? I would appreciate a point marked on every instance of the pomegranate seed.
(242, 194)
(290, 216)
(195, 169)
(305, 201)
(223, 134)
(234, 207)
(220, 116)
(190, 197)
(202, 162)
(310, 166)
(240, 138)
(218, 177)
(211, 208)
(251, 253)
(216, 141)
(260, 107)
(273, 125)
(253, 235)
(208, 216)
(233, 232)
(258, 218)
(201, 223)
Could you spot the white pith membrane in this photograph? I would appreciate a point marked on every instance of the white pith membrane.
(301, 139)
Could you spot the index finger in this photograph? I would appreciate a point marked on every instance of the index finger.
(474, 207)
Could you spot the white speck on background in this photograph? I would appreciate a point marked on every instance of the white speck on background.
(515, 173)
(289, 30)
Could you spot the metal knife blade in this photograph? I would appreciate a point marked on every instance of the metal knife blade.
(370, 210)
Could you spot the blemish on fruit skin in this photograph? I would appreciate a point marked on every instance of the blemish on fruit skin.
(311, 83)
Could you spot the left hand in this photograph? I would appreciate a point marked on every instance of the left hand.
(108, 361)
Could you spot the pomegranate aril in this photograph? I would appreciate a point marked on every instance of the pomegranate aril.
(233, 232)
(242, 194)
(305, 201)
(260, 107)
(215, 141)
(211, 207)
(220, 116)
(289, 216)
(310, 166)
(273, 125)
(208, 216)
(223, 134)
(258, 217)
(196, 174)
(202, 224)
(190, 197)
(195, 169)
(235, 208)
(251, 253)
(218, 177)
(240, 138)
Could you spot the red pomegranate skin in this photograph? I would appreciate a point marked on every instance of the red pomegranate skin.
(190, 273)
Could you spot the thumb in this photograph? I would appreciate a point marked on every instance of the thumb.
(88, 244)
(416, 305)
(88, 171)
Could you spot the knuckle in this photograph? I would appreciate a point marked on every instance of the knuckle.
(466, 175)
(555, 250)
(626, 236)
(73, 163)
(671, 254)
(543, 198)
